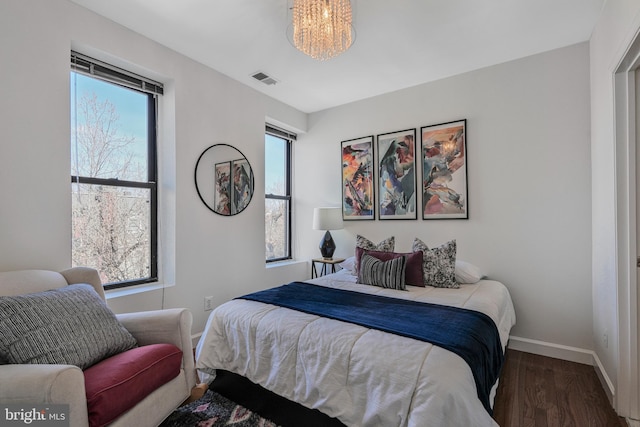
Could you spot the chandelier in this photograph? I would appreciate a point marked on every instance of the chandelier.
(322, 29)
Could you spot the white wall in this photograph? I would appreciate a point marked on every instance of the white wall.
(528, 159)
(618, 24)
(209, 254)
(529, 182)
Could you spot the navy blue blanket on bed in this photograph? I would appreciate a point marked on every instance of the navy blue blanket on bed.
(470, 334)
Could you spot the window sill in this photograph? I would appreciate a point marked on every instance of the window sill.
(132, 290)
(285, 263)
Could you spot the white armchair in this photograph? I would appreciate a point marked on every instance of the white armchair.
(64, 384)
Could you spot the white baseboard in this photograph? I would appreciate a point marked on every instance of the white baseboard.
(609, 389)
(572, 354)
(558, 351)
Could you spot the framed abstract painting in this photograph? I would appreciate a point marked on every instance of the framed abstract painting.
(444, 171)
(357, 179)
(397, 175)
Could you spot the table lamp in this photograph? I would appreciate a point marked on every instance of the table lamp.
(327, 219)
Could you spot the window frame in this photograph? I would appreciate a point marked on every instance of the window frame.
(93, 68)
(288, 137)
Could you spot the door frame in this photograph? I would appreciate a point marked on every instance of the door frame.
(626, 123)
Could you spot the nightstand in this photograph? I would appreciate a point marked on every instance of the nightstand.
(327, 263)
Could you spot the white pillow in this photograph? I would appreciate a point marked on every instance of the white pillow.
(348, 264)
(467, 272)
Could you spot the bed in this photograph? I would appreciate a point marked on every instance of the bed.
(359, 375)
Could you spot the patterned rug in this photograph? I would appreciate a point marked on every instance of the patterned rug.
(213, 410)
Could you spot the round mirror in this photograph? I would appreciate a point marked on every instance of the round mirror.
(224, 179)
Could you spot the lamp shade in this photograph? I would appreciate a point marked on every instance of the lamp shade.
(327, 218)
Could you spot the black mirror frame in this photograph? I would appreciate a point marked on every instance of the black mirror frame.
(195, 178)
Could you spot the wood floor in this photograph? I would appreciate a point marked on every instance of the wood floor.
(538, 391)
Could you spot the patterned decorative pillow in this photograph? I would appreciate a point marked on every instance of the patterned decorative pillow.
(362, 244)
(386, 274)
(413, 273)
(70, 326)
(439, 264)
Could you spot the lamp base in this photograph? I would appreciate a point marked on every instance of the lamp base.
(327, 246)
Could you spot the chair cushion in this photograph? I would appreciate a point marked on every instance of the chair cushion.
(70, 326)
(117, 384)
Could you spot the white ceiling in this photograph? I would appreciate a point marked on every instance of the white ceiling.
(399, 44)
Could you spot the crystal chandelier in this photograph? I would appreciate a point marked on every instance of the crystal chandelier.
(322, 29)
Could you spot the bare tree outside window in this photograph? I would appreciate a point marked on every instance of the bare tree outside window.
(110, 212)
(110, 231)
(102, 148)
(275, 224)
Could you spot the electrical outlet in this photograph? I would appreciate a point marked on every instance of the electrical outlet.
(605, 340)
(208, 303)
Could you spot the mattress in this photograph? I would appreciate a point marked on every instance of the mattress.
(361, 376)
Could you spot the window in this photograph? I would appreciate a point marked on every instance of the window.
(113, 172)
(277, 212)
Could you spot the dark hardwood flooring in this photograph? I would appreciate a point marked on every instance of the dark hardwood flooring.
(538, 391)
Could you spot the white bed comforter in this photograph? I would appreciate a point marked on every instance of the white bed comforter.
(361, 376)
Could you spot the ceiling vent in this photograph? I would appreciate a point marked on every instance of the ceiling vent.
(262, 77)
